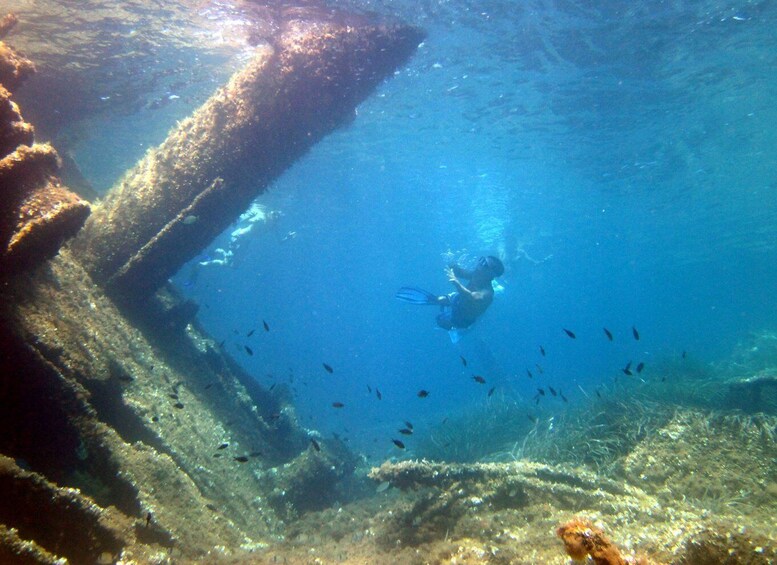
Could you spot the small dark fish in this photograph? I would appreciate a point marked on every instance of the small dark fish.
(409, 425)
(561, 394)
(463, 361)
(148, 519)
(178, 405)
(272, 386)
(249, 350)
(528, 373)
(542, 351)
(315, 445)
(552, 390)
(685, 354)
(328, 368)
(249, 334)
(221, 343)
(217, 454)
(598, 394)
(491, 390)
(635, 333)
(479, 379)
(126, 378)
(337, 405)
(406, 432)
(569, 333)
(541, 392)
(533, 419)
(378, 394)
(173, 396)
(423, 393)
(369, 389)
(266, 326)
(398, 443)
(241, 458)
(223, 446)
(608, 333)
(211, 507)
(627, 369)
(207, 386)
(640, 367)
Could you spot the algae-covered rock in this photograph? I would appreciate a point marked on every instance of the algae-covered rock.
(71, 526)
(752, 394)
(37, 213)
(14, 68)
(18, 551)
(92, 403)
(311, 480)
(720, 545)
(720, 462)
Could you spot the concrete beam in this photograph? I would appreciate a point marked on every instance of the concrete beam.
(186, 191)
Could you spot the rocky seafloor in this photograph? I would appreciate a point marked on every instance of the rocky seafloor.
(702, 489)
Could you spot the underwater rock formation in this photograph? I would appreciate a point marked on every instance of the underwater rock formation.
(752, 394)
(14, 131)
(135, 421)
(37, 213)
(14, 69)
(186, 191)
(505, 511)
(311, 480)
(449, 492)
(78, 529)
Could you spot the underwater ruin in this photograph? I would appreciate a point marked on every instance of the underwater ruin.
(112, 420)
(129, 434)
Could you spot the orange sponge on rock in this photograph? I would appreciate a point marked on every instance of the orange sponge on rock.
(582, 538)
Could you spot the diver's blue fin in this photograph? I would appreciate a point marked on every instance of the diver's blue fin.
(455, 335)
(413, 295)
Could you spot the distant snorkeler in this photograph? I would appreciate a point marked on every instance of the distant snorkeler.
(461, 308)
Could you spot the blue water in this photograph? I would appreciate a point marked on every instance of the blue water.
(620, 159)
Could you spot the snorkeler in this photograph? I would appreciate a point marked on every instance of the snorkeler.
(460, 309)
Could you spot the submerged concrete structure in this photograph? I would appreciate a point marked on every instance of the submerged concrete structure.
(128, 433)
(191, 187)
(37, 213)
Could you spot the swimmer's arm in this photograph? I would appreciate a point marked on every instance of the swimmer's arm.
(460, 272)
(451, 273)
